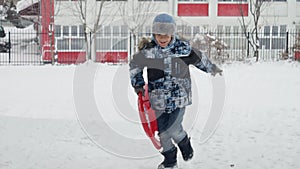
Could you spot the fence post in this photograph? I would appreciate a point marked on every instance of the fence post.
(248, 44)
(90, 52)
(130, 45)
(287, 43)
(9, 53)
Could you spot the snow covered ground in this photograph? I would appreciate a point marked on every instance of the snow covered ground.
(46, 120)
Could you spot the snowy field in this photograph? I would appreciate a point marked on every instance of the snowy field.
(85, 117)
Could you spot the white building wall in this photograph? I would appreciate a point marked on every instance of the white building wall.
(68, 12)
(278, 16)
(296, 13)
(281, 13)
(276, 13)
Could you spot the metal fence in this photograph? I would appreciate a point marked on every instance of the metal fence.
(20, 48)
(24, 48)
(235, 46)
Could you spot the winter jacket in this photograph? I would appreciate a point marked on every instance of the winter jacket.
(169, 82)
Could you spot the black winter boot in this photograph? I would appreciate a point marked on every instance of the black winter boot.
(170, 160)
(186, 148)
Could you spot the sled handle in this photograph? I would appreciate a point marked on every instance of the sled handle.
(148, 119)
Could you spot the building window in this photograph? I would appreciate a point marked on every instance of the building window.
(96, 0)
(184, 30)
(188, 31)
(196, 30)
(108, 38)
(274, 37)
(278, 43)
(279, 31)
(74, 31)
(69, 37)
(235, 30)
(103, 44)
(112, 0)
(81, 31)
(298, 26)
(275, 0)
(77, 44)
(99, 33)
(227, 30)
(141, 31)
(119, 44)
(124, 30)
(62, 44)
(274, 30)
(282, 30)
(107, 31)
(115, 38)
(148, 30)
(153, 0)
(192, 0)
(232, 0)
(220, 29)
(116, 31)
(57, 31)
(267, 31)
(66, 31)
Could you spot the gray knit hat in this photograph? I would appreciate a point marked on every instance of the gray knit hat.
(164, 24)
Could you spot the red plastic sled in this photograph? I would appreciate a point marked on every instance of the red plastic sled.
(148, 118)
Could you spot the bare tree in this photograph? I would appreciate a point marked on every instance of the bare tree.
(252, 25)
(91, 15)
(135, 14)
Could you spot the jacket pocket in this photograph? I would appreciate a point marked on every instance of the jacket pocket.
(157, 99)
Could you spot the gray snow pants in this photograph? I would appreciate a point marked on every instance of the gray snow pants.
(170, 128)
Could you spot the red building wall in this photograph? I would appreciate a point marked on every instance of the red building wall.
(193, 9)
(232, 9)
(226, 9)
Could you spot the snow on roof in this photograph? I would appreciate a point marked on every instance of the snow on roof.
(23, 4)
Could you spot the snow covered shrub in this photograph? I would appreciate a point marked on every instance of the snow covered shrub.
(212, 46)
(296, 47)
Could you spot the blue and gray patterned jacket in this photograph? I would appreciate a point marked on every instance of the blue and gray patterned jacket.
(169, 82)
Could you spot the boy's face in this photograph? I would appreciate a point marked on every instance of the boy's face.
(163, 40)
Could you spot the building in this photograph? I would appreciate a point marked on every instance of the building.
(66, 24)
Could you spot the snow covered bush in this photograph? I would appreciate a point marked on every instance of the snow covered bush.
(212, 46)
(296, 47)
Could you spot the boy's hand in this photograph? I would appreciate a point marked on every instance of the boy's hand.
(216, 70)
(139, 89)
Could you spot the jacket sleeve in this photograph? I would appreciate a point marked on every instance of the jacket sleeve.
(201, 61)
(136, 67)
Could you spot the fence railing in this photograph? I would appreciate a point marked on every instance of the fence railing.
(236, 46)
(20, 48)
(23, 48)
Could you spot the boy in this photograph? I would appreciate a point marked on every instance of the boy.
(169, 84)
